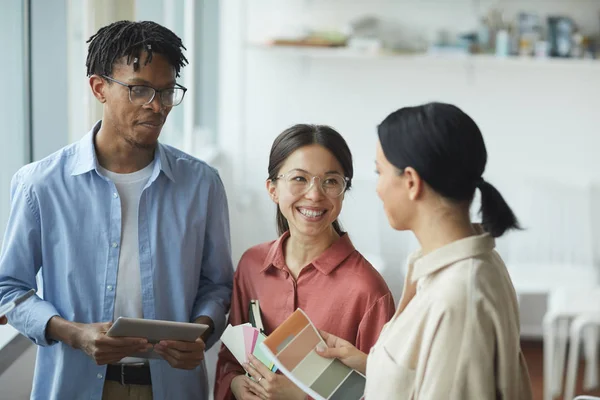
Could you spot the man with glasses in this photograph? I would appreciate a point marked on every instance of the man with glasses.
(119, 224)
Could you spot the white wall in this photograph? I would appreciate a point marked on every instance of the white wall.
(539, 119)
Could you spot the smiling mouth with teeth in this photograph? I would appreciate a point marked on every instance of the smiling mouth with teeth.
(311, 213)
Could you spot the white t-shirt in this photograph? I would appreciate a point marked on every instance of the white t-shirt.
(128, 301)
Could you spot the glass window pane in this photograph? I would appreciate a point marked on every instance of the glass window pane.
(14, 134)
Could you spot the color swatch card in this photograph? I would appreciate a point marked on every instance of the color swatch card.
(242, 340)
(233, 338)
(292, 348)
(260, 354)
(250, 336)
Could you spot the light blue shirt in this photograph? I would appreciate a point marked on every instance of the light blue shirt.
(65, 223)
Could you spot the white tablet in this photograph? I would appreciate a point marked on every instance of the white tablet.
(5, 309)
(155, 331)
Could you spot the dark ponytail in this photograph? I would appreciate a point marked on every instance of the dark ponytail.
(445, 146)
(301, 135)
(496, 215)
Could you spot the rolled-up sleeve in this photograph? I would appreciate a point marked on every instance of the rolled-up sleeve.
(20, 261)
(216, 278)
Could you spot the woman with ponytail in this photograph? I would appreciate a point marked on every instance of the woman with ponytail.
(455, 334)
(313, 265)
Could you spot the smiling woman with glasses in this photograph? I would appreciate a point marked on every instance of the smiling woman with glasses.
(313, 265)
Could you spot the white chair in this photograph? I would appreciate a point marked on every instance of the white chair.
(554, 257)
(586, 398)
(564, 306)
(578, 329)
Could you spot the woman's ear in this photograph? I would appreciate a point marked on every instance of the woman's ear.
(414, 183)
(272, 189)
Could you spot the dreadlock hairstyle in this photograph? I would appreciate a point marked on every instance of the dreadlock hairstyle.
(127, 38)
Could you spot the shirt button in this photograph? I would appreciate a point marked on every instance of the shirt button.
(99, 376)
(115, 195)
(110, 288)
(115, 244)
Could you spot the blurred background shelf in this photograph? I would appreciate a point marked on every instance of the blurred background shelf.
(345, 53)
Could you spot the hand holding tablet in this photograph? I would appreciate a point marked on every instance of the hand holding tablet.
(181, 337)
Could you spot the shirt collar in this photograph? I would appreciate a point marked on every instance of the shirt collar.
(86, 153)
(163, 162)
(88, 161)
(329, 260)
(473, 246)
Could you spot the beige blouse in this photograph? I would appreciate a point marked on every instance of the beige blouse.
(455, 334)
